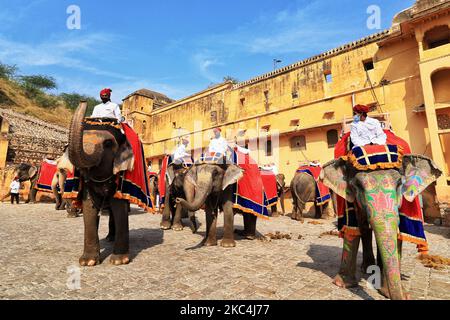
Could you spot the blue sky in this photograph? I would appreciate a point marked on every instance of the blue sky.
(175, 47)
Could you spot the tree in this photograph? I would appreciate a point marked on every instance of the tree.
(7, 71)
(40, 82)
(230, 78)
(73, 99)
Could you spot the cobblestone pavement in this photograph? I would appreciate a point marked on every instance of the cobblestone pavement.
(38, 245)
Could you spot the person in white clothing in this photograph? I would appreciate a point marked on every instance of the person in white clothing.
(107, 109)
(218, 144)
(315, 163)
(180, 151)
(365, 130)
(271, 167)
(14, 190)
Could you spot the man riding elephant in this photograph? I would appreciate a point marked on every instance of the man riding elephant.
(378, 186)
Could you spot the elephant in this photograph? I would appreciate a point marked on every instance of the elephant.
(213, 185)
(28, 172)
(303, 189)
(100, 155)
(281, 190)
(378, 195)
(172, 214)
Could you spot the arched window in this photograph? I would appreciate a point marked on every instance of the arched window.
(436, 37)
(332, 138)
(298, 143)
(441, 84)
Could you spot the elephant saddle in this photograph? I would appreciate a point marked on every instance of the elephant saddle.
(373, 157)
(323, 194)
(269, 181)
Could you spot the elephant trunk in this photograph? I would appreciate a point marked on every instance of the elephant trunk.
(77, 155)
(385, 230)
(199, 200)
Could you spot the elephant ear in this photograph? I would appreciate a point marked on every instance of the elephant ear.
(191, 176)
(32, 171)
(335, 176)
(419, 173)
(170, 174)
(124, 159)
(232, 174)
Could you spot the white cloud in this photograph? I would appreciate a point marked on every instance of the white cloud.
(204, 61)
(63, 52)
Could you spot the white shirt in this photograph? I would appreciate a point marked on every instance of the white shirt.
(219, 145)
(107, 110)
(365, 132)
(180, 152)
(15, 186)
(273, 168)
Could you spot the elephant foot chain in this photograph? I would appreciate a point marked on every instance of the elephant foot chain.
(119, 259)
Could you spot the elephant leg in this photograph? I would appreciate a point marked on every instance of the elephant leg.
(211, 226)
(119, 210)
(366, 237)
(91, 254)
(346, 278)
(282, 203)
(55, 192)
(177, 224)
(318, 210)
(166, 222)
(274, 211)
(33, 193)
(250, 226)
(228, 225)
(111, 228)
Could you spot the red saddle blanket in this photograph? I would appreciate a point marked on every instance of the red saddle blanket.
(46, 174)
(269, 181)
(323, 195)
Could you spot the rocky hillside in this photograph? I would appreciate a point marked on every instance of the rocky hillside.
(13, 97)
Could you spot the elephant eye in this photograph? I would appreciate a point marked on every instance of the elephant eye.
(108, 143)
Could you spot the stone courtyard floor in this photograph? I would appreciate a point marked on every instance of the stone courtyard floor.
(39, 245)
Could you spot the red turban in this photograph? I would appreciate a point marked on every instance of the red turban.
(105, 92)
(217, 129)
(359, 108)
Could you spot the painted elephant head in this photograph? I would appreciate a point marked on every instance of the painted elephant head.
(97, 151)
(379, 194)
(209, 178)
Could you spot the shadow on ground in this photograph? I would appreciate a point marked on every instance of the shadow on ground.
(140, 240)
(327, 259)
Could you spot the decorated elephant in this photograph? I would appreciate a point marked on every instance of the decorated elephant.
(175, 188)
(214, 184)
(304, 188)
(377, 194)
(101, 153)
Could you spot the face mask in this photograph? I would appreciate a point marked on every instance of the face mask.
(356, 118)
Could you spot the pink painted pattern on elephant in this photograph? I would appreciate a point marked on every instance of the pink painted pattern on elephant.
(382, 202)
